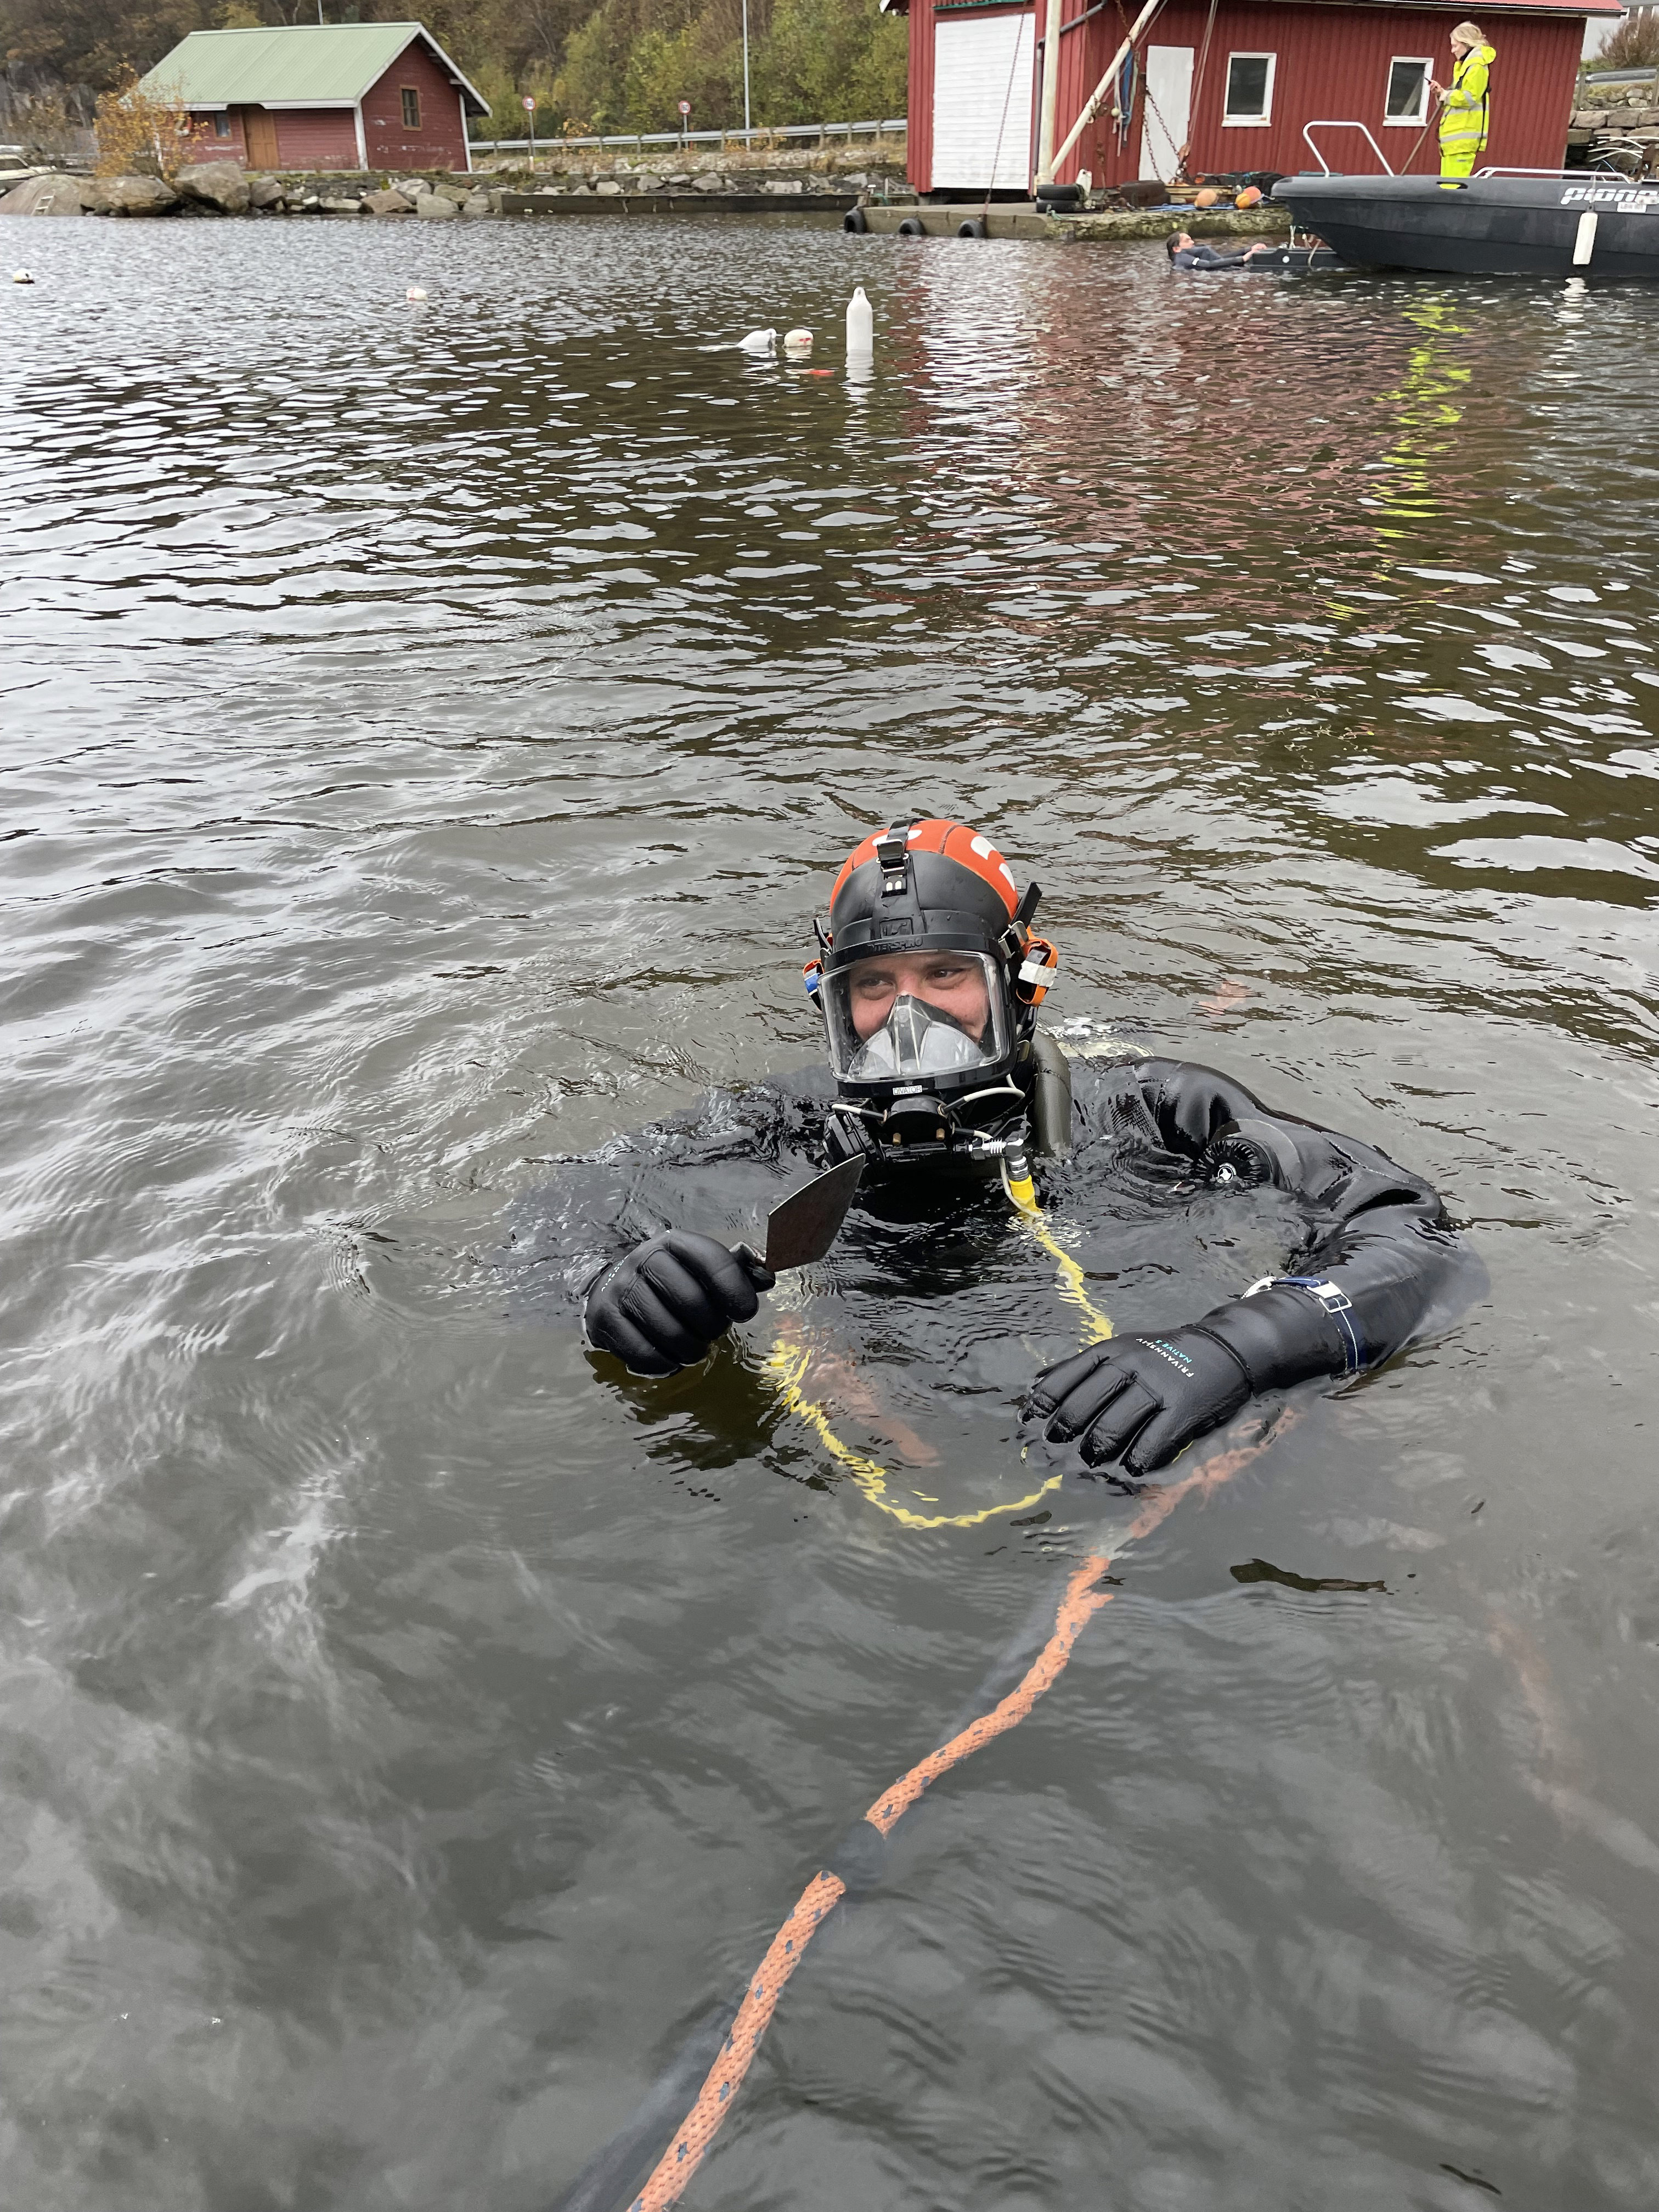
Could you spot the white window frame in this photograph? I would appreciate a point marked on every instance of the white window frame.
(1425, 63)
(1250, 122)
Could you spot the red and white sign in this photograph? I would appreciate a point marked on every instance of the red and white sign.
(529, 105)
(685, 107)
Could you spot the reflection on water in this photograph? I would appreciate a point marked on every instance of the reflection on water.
(428, 732)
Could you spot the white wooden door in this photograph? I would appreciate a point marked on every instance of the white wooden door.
(1166, 109)
(982, 102)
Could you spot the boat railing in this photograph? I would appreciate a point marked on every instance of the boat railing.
(1339, 123)
(1586, 176)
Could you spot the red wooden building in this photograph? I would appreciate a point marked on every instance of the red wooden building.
(323, 96)
(1233, 81)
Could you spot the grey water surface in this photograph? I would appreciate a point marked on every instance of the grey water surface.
(427, 734)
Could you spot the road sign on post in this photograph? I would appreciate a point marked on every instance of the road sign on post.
(530, 111)
(685, 109)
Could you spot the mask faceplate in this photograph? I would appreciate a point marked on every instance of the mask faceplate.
(906, 1019)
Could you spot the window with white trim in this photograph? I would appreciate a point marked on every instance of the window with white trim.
(1250, 88)
(1408, 100)
(411, 108)
(221, 124)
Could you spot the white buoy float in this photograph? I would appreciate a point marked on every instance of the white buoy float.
(860, 326)
(21, 277)
(799, 343)
(758, 342)
(415, 292)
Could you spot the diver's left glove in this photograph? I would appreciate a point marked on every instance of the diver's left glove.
(1140, 1400)
(665, 1304)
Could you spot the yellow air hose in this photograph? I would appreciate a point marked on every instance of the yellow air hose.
(789, 1364)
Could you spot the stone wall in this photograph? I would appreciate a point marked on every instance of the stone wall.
(871, 163)
(1627, 117)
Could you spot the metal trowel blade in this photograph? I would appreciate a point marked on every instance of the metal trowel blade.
(802, 1228)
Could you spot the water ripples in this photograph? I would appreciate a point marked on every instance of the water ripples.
(427, 734)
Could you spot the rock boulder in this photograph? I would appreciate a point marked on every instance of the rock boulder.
(433, 207)
(459, 193)
(132, 196)
(49, 195)
(608, 189)
(340, 204)
(219, 185)
(264, 192)
(480, 203)
(387, 202)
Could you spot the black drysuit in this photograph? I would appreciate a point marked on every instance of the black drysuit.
(1180, 1197)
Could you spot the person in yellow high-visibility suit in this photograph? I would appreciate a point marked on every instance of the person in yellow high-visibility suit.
(1465, 103)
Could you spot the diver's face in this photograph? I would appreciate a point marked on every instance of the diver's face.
(948, 982)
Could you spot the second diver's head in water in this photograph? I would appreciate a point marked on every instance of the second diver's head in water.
(929, 983)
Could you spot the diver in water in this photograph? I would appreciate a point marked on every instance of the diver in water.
(1185, 252)
(929, 979)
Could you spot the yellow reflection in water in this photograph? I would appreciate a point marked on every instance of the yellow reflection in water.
(1427, 418)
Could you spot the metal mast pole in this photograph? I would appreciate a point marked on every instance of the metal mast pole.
(745, 65)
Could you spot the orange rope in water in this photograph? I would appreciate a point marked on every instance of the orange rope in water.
(1082, 1599)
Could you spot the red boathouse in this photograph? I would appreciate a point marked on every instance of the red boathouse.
(1233, 81)
(322, 96)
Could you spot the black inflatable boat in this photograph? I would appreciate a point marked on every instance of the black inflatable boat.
(1572, 222)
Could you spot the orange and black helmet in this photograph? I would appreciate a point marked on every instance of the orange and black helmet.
(923, 885)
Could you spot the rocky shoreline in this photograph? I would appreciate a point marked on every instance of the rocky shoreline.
(220, 188)
(214, 188)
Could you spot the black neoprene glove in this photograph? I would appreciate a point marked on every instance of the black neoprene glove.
(1140, 1400)
(662, 1307)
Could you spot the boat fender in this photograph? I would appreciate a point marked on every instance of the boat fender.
(855, 221)
(912, 227)
(972, 228)
(1051, 1099)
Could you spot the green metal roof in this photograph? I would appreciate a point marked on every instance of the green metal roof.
(327, 63)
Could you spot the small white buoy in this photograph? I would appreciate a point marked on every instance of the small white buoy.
(414, 293)
(860, 325)
(797, 342)
(758, 342)
(21, 277)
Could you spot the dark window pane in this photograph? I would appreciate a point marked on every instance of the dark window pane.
(411, 109)
(1247, 84)
(1406, 81)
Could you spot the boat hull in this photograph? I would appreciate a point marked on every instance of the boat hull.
(1484, 226)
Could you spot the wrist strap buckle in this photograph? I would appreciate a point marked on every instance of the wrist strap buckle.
(1335, 1301)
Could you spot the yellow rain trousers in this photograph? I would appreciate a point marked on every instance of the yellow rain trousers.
(1464, 117)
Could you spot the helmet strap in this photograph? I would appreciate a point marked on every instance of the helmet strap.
(890, 850)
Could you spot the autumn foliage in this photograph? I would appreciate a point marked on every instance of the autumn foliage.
(141, 134)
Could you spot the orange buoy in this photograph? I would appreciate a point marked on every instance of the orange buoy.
(1249, 196)
(1206, 198)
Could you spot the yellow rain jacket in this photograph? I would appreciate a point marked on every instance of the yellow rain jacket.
(1465, 114)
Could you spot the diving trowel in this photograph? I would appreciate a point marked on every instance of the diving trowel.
(802, 1227)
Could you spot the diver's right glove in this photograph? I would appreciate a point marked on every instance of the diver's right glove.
(665, 1304)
